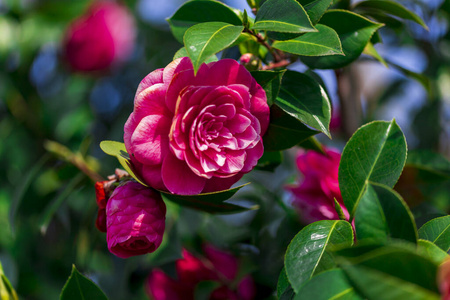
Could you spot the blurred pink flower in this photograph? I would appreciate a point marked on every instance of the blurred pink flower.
(135, 219)
(443, 278)
(314, 195)
(217, 266)
(196, 133)
(100, 38)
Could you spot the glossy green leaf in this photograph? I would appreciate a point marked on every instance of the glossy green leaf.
(118, 150)
(430, 162)
(284, 289)
(283, 16)
(270, 81)
(209, 202)
(323, 42)
(305, 99)
(392, 273)
(390, 7)
(206, 39)
(377, 153)
(437, 231)
(316, 9)
(353, 30)
(331, 284)
(382, 213)
(307, 253)
(284, 131)
(79, 287)
(430, 250)
(200, 11)
(183, 53)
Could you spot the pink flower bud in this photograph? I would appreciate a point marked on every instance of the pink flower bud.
(135, 219)
(103, 36)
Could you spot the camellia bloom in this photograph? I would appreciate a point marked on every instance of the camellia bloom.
(135, 220)
(102, 37)
(216, 266)
(196, 133)
(314, 196)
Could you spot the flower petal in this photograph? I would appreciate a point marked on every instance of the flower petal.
(178, 177)
(149, 80)
(150, 139)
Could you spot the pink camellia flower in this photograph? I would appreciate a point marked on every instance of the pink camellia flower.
(103, 36)
(196, 133)
(314, 196)
(135, 220)
(217, 266)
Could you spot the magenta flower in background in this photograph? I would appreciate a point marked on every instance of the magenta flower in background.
(443, 278)
(102, 37)
(135, 220)
(216, 265)
(314, 195)
(191, 134)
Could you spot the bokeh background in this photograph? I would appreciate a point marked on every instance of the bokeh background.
(52, 119)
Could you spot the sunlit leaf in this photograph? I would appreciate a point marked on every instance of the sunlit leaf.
(382, 213)
(304, 99)
(200, 11)
(307, 253)
(283, 16)
(354, 32)
(437, 231)
(206, 39)
(375, 153)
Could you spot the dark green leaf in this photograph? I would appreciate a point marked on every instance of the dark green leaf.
(377, 153)
(118, 150)
(22, 188)
(392, 273)
(307, 253)
(316, 9)
(437, 231)
(79, 287)
(312, 143)
(209, 202)
(353, 30)
(200, 11)
(430, 162)
(284, 131)
(53, 207)
(430, 250)
(382, 213)
(328, 285)
(269, 161)
(204, 289)
(283, 16)
(206, 39)
(392, 8)
(284, 289)
(323, 42)
(270, 81)
(304, 99)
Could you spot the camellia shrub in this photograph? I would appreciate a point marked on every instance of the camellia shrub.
(241, 93)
